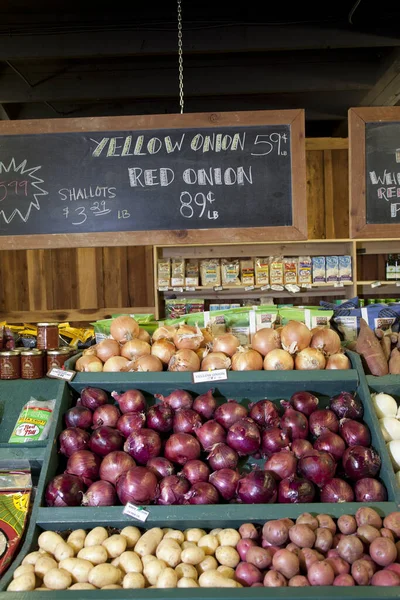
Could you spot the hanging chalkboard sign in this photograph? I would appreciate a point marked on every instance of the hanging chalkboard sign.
(152, 179)
(374, 172)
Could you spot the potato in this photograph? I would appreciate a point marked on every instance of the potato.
(192, 556)
(115, 545)
(22, 569)
(226, 571)
(130, 562)
(44, 564)
(81, 586)
(132, 535)
(63, 551)
(116, 562)
(76, 539)
(209, 543)
(49, 540)
(170, 552)
(186, 571)
(208, 563)
(32, 557)
(166, 530)
(96, 537)
(147, 558)
(97, 555)
(57, 579)
(213, 578)
(153, 569)
(78, 568)
(112, 586)
(186, 582)
(149, 541)
(105, 574)
(133, 581)
(175, 534)
(167, 579)
(188, 545)
(215, 531)
(228, 537)
(227, 556)
(23, 583)
(194, 534)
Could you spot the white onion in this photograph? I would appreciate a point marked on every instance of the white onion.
(89, 363)
(124, 328)
(226, 343)
(184, 360)
(295, 336)
(327, 341)
(163, 349)
(278, 360)
(309, 359)
(107, 348)
(385, 405)
(338, 361)
(135, 348)
(164, 331)
(215, 360)
(115, 364)
(188, 337)
(246, 359)
(265, 340)
(394, 453)
(390, 428)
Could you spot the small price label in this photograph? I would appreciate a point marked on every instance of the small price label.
(63, 374)
(218, 288)
(397, 283)
(190, 289)
(277, 288)
(307, 286)
(263, 288)
(292, 288)
(177, 289)
(217, 375)
(163, 288)
(136, 512)
(376, 284)
(338, 284)
(249, 288)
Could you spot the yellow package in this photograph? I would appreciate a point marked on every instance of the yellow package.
(230, 271)
(177, 272)
(210, 272)
(247, 271)
(163, 272)
(192, 273)
(276, 270)
(261, 271)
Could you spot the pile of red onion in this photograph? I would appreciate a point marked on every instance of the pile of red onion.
(183, 450)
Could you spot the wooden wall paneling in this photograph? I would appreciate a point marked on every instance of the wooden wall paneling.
(62, 276)
(15, 280)
(90, 285)
(315, 194)
(329, 195)
(40, 291)
(140, 276)
(115, 277)
(340, 174)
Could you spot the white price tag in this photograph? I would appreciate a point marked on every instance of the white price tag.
(292, 288)
(217, 375)
(249, 288)
(218, 288)
(163, 288)
(307, 286)
(190, 289)
(263, 288)
(338, 284)
(136, 512)
(397, 283)
(63, 374)
(277, 288)
(177, 289)
(375, 284)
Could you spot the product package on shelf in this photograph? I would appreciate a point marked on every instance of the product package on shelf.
(318, 269)
(290, 266)
(247, 272)
(210, 272)
(192, 278)
(177, 272)
(261, 267)
(276, 270)
(304, 270)
(230, 272)
(163, 272)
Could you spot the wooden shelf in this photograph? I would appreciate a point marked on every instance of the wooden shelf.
(396, 283)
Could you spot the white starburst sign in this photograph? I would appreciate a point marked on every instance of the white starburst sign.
(21, 187)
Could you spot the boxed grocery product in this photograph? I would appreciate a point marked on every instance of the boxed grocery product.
(315, 317)
(163, 272)
(318, 269)
(175, 308)
(276, 270)
(345, 268)
(290, 271)
(304, 270)
(332, 268)
(192, 273)
(230, 271)
(247, 272)
(177, 272)
(265, 317)
(210, 272)
(194, 305)
(261, 271)
(214, 307)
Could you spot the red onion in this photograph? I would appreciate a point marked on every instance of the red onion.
(330, 442)
(317, 466)
(64, 490)
(243, 547)
(281, 464)
(300, 447)
(186, 420)
(177, 399)
(222, 456)
(138, 485)
(274, 440)
(228, 413)
(106, 415)
(205, 404)
(84, 464)
(258, 487)
(247, 574)
(78, 416)
(202, 493)
(195, 471)
(143, 445)
(369, 490)
(345, 405)
(105, 440)
(226, 481)
(73, 439)
(295, 490)
(264, 413)
(160, 418)
(244, 437)
(161, 467)
(337, 490)
(354, 433)
(130, 422)
(114, 464)
(93, 398)
(304, 402)
(130, 401)
(294, 422)
(360, 462)
(100, 493)
(321, 420)
(173, 490)
(210, 433)
(182, 447)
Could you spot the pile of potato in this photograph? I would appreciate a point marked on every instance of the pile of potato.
(158, 558)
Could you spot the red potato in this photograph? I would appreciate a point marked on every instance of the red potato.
(370, 349)
(394, 362)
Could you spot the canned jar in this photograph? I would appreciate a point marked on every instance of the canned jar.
(32, 366)
(47, 336)
(10, 365)
(57, 358)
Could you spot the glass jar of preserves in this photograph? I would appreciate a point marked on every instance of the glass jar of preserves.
(10, 365)
(47, 336)
(56, 358)
(32, 366)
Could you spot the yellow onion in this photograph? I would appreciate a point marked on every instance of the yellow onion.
(147, 362)
(89, 363)
(246, 359)
(188, 337)
(207, 335)
(226, 343)
(135, 348)
(115, 364)
(144, 335)
(295, 336)
(184, 360)
(107, 348)
(202, 352)
(215, 360)
(326, 340)
(164, 331)
(310, 359)
(124, 328)
(265, 340)
(278, 360)
(91, 351)
(338, 361)
(164, 350)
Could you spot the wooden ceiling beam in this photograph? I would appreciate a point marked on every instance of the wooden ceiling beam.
(386, 91)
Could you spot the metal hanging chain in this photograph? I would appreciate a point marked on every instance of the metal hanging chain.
(180, 55)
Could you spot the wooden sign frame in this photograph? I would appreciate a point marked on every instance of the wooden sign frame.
(358, 118)
(298, 231)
